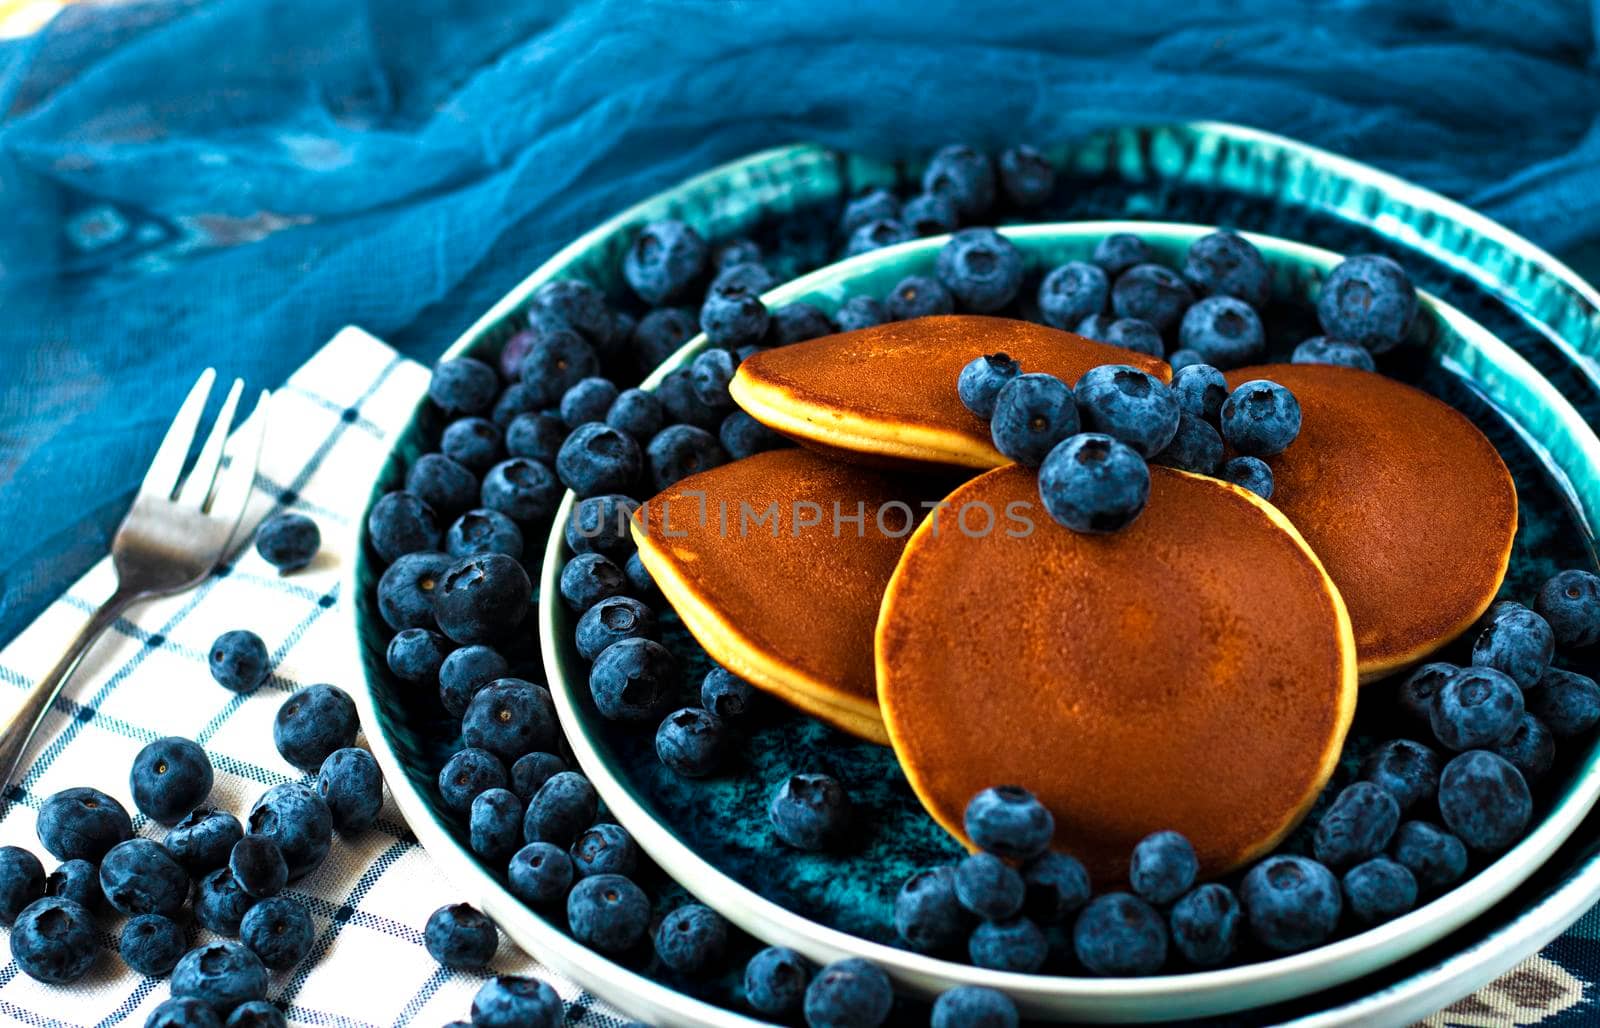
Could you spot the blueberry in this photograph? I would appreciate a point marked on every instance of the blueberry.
(279, 931)
(797, 322)
(733, 313)
(258, 1013)
(239, 661)
(1418, 690)
(678, 451)
(637, 413)
(494, 824)
(809, 811)
(608, 913)
(510, 717)
(574, 304)
(1138, 336)
(1570, 603)
(531, 770)
(1434, 857)
(1120, 251)
(589, 578)
(1032, 413)
(678, 399)
(1196, 447)
(296, 818)
(183, 1012)
(980, 382)
(690, 742)
(416, 654)
(1128, 404)
(1201, 391)
(288, 541)
(540, 874)
(223, 974)
(536, 436)
(558, 360)
(1164, 867)
(467, 773)
(482, 597)
(1515, 641)
(483, 531)
(81, 824)
(151, 945)
(1013, 945)
(1484, 800)
(170, 777)
(53, 941)
(220, 904)
(1260, 418)
(202, 840)
(775, 981)
(1182, 358)
(988, 886)
(875, 235)
(1226, 264)
(1292, 903)
(1368, 300)
(1322, 350)
(442, 484)
(928, 214)
(515, 401)
(1028, 177)
(1224, 331)
(460, 936)
(1072, 292)
(1406, 770)
(725, 694)
(1476, 709)
(743, 436)
(562, 808)
(78, 881)
(963, 174)
(1568, 703)
(1095, 326)
(1379, 890)
(407, 588)
(1531, 748)
(859, 312)
(1205, 925)
(474, 443)
(1056, 885)
(312, 723)
(401, 523)
(350, 783)
(466, 671)
(1151, 293)
(21, 881)
(523, 489)
(587, 400)
(852, 993)
(514, 1002)
(258, 866)
(463, 386)
(639, 578)
(515, 351)
(632, 679)
(750, 276)
(1008, 821)
(141, 878)
(869, 205)
(973, 1006)
(691, 938)
(981, 268)
(605, 849)
(710, 374)
(664, 261)
(918, 296)
(610, 621)
(735, 251)
(1358, 825)
(1094, 483)
(660, 333)
(927, 914)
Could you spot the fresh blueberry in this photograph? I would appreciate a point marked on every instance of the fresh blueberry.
(1138, 336)
(1008, 821)
(536, 436)
(587, 400)
(296, 818)
(609, 622)
(1072, 292)
(513, 1002)
(875, 235)
(78, 881)
(965, 175)
(1120, 934)
(562, 808)
(638, 413)
(515, 401)
(258, 866)
(678, 399)
(1379, 890)
(312, 723)
(928, 214)
(21, 881)
(460, 936)
(258, 1013)
(775, 981)
(1094, 483)
(151, 944)
(1056, 885)
(1224, 331)
(400, 523)
(918, 296)
(809, 811)
(988, 886)
(600, 525)
(288, 541)
(678, 451)
(463, 385)
(1568, 703)
(1096, 326)
(589, 578)
(852, 993)
(1476, 709)
(660, 333)
(1164, 867)
(1570, 603)
(797, 322)
(1421, 686)
(927, 914)
(710, 374)
(220, 904)
(1028, 177)
(1368, 300)
(139, 876)
(735, 251)
(725, 694)
(223, 974)
(1434, 857)
(416, 654)
(605, 849)
(981, 268)
(608, 913)
(494, 824)
(350, 783)
(639, 578)
(1201, 390)
(558, 360)
(574, 304)
(859, 312)
(53, 940)
(239, 661)
(691, 938)
(1205, 925)
(750, 276)
(483, 531)
(1226, 264)
(743, 436)
(467, 773)
(1516, 642)
(1292, 903)
(531, 770)
(690, 742)
(664, 261)
(1128, 404)
(523, 489)
(510, 717)
(407, 588)
(202, 840)
(540, 874)
(1120, 251)
(1250, 473)
(1260, 418)
(973, 1006)
(733, 313)
(980, 382)
(1406, 770)
(82, 823)
(279, 931)
(464, 672)
(1032, 413)
(1182, 358)
(1531, 748)
(1484, 800)
(1196, 447)
(170, 777)
(474, 443)
(1358, 825)
(632, 679)
(442, 484)
(1153, 293)
(515, 351)
(482, 597)
(1322, 350)
(183, 1012)
(869, 205)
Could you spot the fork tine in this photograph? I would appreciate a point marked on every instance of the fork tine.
(162, 478)
(197, 487)
(236, 480)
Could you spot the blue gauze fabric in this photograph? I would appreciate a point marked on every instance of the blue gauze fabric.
(187, 183)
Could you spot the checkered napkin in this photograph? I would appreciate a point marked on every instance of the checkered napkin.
(147, 677)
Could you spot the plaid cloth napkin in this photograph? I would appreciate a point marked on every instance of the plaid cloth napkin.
(147, 677)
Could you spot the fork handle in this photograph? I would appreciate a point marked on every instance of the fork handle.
(18, 730)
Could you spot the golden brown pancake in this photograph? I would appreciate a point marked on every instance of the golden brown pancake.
(1195, 671)
(788, 607)
(889, 392)
(1410, 508)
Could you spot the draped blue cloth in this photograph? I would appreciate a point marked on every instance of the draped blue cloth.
(185, 183)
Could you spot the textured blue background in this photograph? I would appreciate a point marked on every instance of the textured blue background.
(186, 183)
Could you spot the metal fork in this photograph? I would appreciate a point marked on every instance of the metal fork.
(172, 538)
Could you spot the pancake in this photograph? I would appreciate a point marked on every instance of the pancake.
(1408, 505)
(1195, 671)
(789, 608)
(888, 393)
